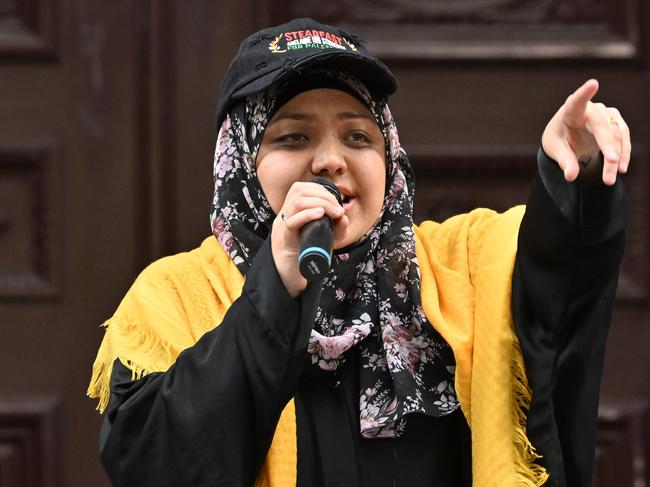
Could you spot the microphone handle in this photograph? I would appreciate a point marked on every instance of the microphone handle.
(317, 241)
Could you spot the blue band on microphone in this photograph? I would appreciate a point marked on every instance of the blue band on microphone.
(318, 250)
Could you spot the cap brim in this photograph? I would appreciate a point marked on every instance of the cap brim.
(371, 72)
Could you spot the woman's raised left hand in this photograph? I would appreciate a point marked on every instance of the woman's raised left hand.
(582, 128)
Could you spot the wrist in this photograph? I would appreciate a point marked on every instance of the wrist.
(294, 285)
(287, 267)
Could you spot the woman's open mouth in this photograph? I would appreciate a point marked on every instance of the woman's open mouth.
(347, 201)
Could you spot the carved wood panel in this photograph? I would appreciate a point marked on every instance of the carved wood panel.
(456, 11)
(27, 222)
(28, 29)
(143, 76)
(29, 442)
(622, 445)
(481, 29)
(457, 179)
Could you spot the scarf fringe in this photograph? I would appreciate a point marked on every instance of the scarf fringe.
(527, 472)
(98, 387)
(132, 338)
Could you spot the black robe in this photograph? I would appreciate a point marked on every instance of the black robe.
(209, 420)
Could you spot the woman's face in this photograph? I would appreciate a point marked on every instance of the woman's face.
(326, 133)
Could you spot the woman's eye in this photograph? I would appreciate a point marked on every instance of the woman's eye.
(292, 138)
(359, 138)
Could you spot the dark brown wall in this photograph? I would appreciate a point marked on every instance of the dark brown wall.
(106, 139)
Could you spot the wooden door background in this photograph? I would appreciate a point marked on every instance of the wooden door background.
(106, 139)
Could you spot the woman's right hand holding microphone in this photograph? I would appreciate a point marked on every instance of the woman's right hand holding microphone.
(304, 202)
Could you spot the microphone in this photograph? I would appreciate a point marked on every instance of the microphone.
(317, 241)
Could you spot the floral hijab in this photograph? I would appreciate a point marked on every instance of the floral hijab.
(371, 295)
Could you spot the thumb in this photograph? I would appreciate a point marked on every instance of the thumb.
(568, 162)
(576, 104)
(341, 227)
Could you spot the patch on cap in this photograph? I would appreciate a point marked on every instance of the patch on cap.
(277, 53)
(320, 40)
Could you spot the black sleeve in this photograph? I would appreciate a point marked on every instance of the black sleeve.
(570, 245)
(210, 418)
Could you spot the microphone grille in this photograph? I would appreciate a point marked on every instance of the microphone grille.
(330, 186)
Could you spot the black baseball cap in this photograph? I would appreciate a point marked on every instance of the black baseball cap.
(279, 53)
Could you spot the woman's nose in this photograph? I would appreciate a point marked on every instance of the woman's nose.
(329, 158)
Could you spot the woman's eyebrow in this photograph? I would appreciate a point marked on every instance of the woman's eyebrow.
(299, 116)
(312, 117)
(353, 115)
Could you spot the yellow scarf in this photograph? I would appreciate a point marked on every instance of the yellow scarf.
(466, 268)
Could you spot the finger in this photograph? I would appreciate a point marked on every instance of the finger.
(568, 162)
(626, 155)
(576, 104)
(609, 139)
(311, 189)
(295, 222)
(611, 146)
(626, 144)
(295, 204)
(340, 228)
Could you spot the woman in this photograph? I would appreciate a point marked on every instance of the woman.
(399, 368)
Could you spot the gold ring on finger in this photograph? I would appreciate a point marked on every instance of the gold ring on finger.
(613, 121)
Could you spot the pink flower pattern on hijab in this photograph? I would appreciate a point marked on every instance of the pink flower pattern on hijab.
(370, 303)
